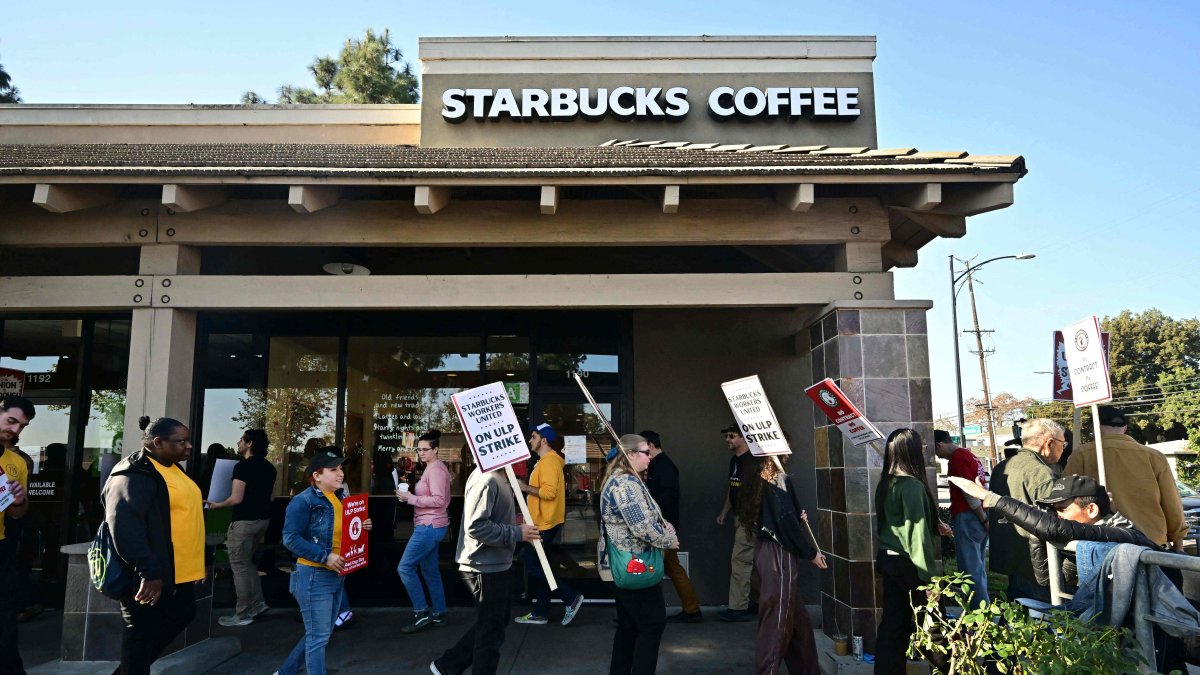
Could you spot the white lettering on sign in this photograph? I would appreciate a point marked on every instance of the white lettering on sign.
(651, 103)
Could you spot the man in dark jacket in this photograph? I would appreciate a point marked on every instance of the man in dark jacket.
(662, 479)
(1079, 511)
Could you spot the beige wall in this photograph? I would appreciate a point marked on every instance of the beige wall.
(681, 357)
(698, 63)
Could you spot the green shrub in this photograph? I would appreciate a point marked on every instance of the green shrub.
(1003, 635)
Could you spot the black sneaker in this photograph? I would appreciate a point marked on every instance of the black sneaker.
(439, 618)
(686, 617)
(420, 621)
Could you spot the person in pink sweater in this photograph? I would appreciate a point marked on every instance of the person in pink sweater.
(429, 500)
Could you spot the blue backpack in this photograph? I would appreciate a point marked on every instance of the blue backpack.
(111, 575)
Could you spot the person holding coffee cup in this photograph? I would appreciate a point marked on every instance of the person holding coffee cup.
(429, 500)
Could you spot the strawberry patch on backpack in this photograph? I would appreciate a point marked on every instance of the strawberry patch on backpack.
(638, 566)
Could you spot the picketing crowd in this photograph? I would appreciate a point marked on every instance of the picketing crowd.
(154, 516)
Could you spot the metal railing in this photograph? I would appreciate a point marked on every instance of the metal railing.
(1148, 562)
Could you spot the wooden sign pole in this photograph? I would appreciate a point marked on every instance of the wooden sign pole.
(537, 545)
(1099, 442)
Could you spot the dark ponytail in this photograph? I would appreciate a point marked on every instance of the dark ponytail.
(159, 428)
(431, 437)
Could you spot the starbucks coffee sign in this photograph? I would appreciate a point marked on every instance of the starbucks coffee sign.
(649, 103)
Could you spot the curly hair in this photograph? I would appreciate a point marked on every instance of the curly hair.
(759, 472)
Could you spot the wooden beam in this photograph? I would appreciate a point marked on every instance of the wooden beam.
(125, 223)
(670, 199)
(855, 256)
(975, 199)
(60, 198)
(521, 291)
(899, 254)
(516, 223)
(58, 294)
(549, 202)
(430, 199)
(941, 224)
(778, 258)
(796, 197)
(923, 197)
(313, 198)
(189, 198)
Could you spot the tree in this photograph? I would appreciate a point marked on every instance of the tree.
(8, 93)
(1155, 366)
(1004, 407)
(369, 70)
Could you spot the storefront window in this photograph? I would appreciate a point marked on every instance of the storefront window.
(594, 357)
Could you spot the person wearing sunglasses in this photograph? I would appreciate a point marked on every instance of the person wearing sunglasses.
(741, 558)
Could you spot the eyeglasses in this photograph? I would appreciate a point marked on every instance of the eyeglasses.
(730, 437)
(1062, 441)
(640, 452)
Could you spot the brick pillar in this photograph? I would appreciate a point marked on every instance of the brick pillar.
(878, 353)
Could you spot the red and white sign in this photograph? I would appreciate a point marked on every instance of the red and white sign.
(1062, 374)
(833, 402)
(491, 426)
(1087, 363)
(6, 495)
(755, 417)
(12, 382)
(354, 535)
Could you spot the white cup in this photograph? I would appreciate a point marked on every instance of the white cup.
(403, 487)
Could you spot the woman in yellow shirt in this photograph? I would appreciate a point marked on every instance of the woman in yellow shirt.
(155, 514)
(312, 530)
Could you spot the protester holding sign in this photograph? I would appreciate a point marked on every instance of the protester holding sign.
(15, 414)
(312, 531)
(907, 534)
(633, 524)
(785, 634)
(155, 515)
(430, 500)
(486, 542)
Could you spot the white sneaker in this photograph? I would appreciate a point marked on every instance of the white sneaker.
(235, 620)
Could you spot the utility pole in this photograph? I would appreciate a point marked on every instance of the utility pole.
(987, 395)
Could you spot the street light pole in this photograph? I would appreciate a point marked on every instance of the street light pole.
(954, 288)
(957, 362)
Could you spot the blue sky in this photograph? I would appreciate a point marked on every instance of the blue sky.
(1100, 98)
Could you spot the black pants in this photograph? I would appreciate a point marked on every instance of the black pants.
(896, 628)
(10, 658)
(149, 629)
(479, 648)
(641, 620)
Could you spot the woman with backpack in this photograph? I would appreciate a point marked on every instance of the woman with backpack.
(633, 528)
(312, 531)
(155, 515)
(770, 513)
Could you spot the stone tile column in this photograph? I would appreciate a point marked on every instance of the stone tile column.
(878, 353)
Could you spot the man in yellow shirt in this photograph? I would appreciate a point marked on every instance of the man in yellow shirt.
(15, 414)
(547, 498)
(1139, 478)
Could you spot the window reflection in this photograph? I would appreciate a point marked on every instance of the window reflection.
(593, 356)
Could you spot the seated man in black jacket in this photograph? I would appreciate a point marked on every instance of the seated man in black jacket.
(1081, 511)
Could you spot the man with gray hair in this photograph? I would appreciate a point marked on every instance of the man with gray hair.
(1139, 478)
(1027, 477)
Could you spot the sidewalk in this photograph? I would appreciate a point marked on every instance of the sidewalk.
(374, 644)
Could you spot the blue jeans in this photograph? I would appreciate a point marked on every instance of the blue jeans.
(537, 578)
(422, 554)
(970, 541)
(319, 593)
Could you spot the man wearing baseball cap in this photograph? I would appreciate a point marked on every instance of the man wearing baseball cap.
(547, 499)
(1139, 478)
(741, 559)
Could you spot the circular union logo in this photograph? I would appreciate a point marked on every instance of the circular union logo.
(1081, 340)
(356, 528)
(829, 399)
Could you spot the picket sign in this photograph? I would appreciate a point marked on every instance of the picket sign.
(497, 441)
(354, 535)
(748, 402)
(6, 496)
(1087, 361)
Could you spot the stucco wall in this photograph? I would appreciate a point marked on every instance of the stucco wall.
(681, 357)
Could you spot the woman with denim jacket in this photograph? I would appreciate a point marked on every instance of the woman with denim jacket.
(312, 530)
(632, 522)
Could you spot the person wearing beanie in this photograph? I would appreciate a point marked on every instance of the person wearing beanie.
(547, 497)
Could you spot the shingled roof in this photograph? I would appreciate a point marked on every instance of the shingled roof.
(613, 158)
